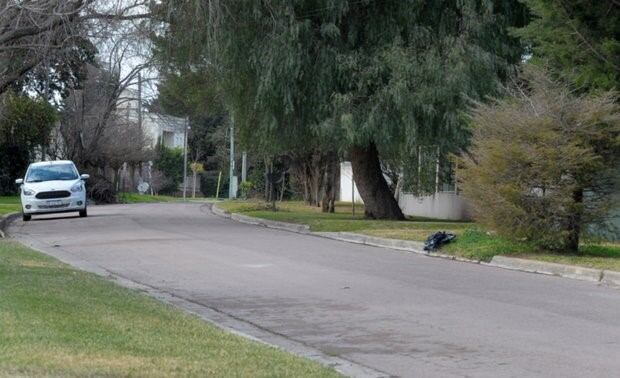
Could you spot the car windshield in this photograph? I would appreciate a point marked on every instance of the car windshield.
(52, 172)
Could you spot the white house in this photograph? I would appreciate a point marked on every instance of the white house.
(445, 203)
(158, 128)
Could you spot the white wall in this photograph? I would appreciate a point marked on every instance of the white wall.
(442, 205)
(346, 181)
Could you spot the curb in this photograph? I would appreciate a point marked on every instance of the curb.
(609, 278)
(292, 227)
(553, 269)
(5, 220)
(402, 245)
(216, 317)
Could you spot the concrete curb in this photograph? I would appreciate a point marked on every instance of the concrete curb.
(292, 227)
(5, 220)
(553, 269)
(214, 316)
(609, 278)
(402, 245)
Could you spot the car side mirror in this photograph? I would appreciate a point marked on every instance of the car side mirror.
(84, 177)
(19, 181)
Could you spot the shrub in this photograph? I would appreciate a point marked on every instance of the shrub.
(169, 161)
(245, 188)
(543, 162)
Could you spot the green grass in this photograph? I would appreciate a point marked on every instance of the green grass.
(479, 245)
(472, 241)
(9, 204)
(144, 198)
(343, 221)
(57, 321)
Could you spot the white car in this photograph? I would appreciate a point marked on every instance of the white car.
(52, 187)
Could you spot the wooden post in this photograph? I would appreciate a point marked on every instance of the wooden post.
(217, 191)
(437, 172)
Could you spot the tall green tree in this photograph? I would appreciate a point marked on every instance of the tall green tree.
(579, 40)
(372, 78)
(25, 126)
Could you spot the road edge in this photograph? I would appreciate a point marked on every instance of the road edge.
(4, 222)
(575, 272)
(213, 316)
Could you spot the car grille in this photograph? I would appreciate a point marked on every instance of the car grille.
(54, 194)
(59, 206)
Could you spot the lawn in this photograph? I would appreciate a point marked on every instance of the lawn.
(58, 321)
(344, 221)
(9, 204)
(472, 241)
(144, 198)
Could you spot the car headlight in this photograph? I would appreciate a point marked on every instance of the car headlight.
(77, 187)
(27, 192)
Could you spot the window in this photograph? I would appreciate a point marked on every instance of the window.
(52, 172)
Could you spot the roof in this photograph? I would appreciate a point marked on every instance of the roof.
(53, 162)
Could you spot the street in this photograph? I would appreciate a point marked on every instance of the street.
(395, 312)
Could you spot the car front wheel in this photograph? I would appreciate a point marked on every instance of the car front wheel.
(26, 217)
(83, 213)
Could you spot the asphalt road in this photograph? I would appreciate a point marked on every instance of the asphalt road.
(399, 313)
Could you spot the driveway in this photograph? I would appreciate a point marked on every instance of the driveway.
(398, 313)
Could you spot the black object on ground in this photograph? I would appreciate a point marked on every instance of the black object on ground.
(438, 239)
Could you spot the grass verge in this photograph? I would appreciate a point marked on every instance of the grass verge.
(472, 242)
(9, 204)
(144, 198)
(343, 220)
(58, 321)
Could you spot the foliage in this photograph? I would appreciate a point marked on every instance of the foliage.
(197, 167)
(245, 188)
(169, 161)
(544, 162)
(25, 126)
(298, 75)
(578, 39)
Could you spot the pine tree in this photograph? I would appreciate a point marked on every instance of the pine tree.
(579, 40)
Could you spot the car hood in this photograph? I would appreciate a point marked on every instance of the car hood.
(46, 186)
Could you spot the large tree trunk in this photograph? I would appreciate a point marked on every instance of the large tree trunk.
(379, 202)
(328, 202)
(574, 223)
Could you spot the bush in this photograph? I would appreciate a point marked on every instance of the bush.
(100, 189)
(208, 184)
(169, 161)
(543, 162)
(245, 188)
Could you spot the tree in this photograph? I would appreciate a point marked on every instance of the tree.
(25, 125)
(360, 77)
(48, 34)
(544, 161)
(578, 39)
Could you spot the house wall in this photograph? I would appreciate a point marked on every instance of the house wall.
(442, 205)
(346, 182)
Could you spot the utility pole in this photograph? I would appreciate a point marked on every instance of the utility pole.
(187, 128)
(231, 183)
